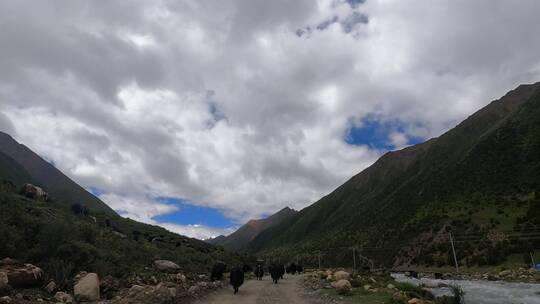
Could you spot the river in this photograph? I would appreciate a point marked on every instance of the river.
(483, 292)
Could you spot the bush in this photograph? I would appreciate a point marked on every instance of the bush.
(60, 271)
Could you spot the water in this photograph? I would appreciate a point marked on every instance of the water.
(483, 292)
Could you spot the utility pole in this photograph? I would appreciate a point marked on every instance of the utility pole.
(532, 259)
(354, 259)
(454, 252)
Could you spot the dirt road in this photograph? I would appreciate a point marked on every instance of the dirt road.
(287, 291)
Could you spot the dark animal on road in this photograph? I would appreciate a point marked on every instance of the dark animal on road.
(281, 268)
(275, 272)
(237, 278)
(291, 269)
(299, 268)
(217, 271)
(247, 268)
(259, 272)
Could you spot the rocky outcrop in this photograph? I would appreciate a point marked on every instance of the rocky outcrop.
(86, 287)
(166, 266)
(21, 276)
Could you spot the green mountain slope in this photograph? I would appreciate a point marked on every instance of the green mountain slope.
(43, 174)
(479, 179)
(63, 242)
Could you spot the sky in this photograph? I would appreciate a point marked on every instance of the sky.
(200, 115)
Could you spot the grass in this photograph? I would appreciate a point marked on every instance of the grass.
(359, 295)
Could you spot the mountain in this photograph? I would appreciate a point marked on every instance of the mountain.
(21, 165)
(216, 240)
(480, 181)
(64, 240)
(240, 238)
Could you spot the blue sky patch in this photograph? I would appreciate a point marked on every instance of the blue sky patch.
(189, 214)
(375, 134)
(355, 3)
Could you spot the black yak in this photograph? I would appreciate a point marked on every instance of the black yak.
(291, 269)
(259, 272)
(281, 268)
(237, 278)
(275, 272)
(217, 271)
(247, 268)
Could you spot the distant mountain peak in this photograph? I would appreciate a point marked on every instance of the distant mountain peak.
(239, 239)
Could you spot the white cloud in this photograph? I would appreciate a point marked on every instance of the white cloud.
(201, 232)
(225, 105)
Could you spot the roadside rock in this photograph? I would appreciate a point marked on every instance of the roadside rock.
(193, 290)
(343, 286)
(505, 273)
(86, 289)
(5, 289)
(166, 266)
(63, 297)
(415, 301)
(342, 275)
(50, 287)
(5, 299)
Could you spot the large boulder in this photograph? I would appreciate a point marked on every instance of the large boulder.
(343, 286)
(166, 266)
(86, 288)
(23, 276)
(342, 275)
(34, 192)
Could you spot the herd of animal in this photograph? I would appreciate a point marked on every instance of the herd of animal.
(236, 277)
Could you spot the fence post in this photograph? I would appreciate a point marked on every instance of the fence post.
(319, 257)
(532, 259)
(454, 252)
(354, 259)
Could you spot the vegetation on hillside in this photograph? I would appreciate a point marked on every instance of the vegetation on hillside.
(480, 181)
(65, 240)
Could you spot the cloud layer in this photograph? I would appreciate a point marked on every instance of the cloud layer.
(245, 106)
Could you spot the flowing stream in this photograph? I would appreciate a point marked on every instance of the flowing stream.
(482, 292)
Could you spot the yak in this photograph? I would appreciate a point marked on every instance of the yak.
(247, 268)
(237, 278)
(291, 269)
(259, 272)
(217, 271)
(281, 268)
(275, 272)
